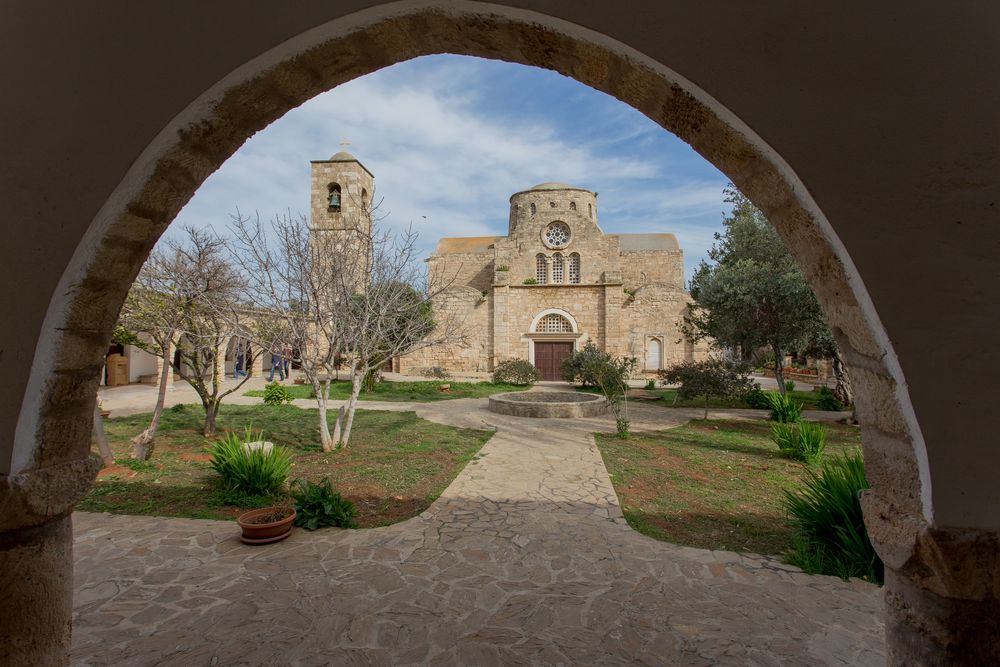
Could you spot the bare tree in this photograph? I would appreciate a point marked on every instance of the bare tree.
(354, 296)
(187, 297)
(150, 319)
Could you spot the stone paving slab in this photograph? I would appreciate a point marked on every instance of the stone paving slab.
(524, 560)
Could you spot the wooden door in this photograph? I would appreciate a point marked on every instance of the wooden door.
(549, 358)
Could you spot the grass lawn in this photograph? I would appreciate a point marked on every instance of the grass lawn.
(404, 391)
(668, 397)
(395, 466)
(713, 484)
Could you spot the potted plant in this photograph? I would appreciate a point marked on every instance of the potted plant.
(267, 525)
(299, 380)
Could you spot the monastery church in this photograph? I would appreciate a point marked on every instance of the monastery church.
(553, 283)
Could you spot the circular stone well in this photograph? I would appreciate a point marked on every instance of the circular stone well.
(548, 404)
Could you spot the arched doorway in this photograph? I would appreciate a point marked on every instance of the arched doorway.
(553, 335)
(66, 324)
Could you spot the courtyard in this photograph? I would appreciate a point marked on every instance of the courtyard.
(525, 558)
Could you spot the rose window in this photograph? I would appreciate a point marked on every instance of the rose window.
(557, 235)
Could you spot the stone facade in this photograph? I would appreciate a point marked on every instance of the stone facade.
(556, 277)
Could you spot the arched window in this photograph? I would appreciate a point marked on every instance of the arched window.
(574, 268)
(553, 323)
(333, 197)
(572, 206)
(541, 269)
(558, 269)
(590, 210)
(532, 209)
(364, 199)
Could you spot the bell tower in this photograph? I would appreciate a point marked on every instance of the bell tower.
(341, 195)
(340, 210)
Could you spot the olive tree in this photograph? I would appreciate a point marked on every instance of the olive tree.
(712, 378)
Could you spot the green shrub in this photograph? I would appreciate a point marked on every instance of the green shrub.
(827, 401)
(650, 384)
(804, 441)
(318, 505)
(789, 385)
(832, 538)
(709, 378)
(583, 365)
(529, 281)
(276, 394)
(517, 372)
(622, 427)
(178, 408)
(436, 372)
(756, 399)
(247, 501)
(253, 472)
(783, 409)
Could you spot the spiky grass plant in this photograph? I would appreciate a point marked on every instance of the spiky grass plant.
(255, 472)
(783, 409)
(832, 538)
(804, 441)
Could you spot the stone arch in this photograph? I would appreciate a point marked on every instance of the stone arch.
(52, 428)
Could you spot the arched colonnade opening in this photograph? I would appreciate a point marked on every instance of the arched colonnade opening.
(52, 437)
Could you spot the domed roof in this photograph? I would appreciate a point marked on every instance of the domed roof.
(555, 186)
(343, 156)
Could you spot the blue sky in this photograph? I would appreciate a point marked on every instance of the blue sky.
(450, 138)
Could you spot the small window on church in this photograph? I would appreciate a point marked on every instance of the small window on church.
(364, 199)
(333, 197)
(553, 323)
(574, 268)
(532, 209)
(572, 206)
(558, 270)
(590, 210)
(541, 269)
(552, 204)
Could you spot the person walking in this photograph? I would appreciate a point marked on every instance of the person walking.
(238, 368)
(286, 358)
(276, 363)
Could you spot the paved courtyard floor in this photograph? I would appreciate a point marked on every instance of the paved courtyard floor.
(524, 560)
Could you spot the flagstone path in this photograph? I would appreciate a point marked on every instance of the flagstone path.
(524, 560)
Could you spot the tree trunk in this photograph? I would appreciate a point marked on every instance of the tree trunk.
(352, 403)
(142, 444)
(706, 408)
(779, 369)
(102, 439)
(211, 410)
(338, 427)
(842, 391)
(320, 389)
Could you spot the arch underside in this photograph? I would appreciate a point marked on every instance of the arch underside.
(210, 130)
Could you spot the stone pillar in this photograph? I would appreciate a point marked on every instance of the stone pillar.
(501, 326)
(36, 559)
(943, 600)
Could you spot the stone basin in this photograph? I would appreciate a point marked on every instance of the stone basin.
(549, 404)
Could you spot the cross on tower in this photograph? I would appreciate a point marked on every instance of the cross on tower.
(344, 143)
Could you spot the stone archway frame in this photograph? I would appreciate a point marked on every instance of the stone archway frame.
(532, 335)
(52, 432)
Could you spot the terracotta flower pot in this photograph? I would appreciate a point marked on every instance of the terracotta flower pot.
(299, 381)
(267, 531)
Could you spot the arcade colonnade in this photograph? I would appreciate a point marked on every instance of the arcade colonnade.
(869, 139)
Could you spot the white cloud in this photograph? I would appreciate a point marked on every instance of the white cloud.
(447, 157)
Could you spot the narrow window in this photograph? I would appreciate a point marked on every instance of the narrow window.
(557, 268)
(653, 352)
(590, 210)
(333, 197)
(541, 269)
(364, 199)
(532, 209)
(574, 268)
(572, 206)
